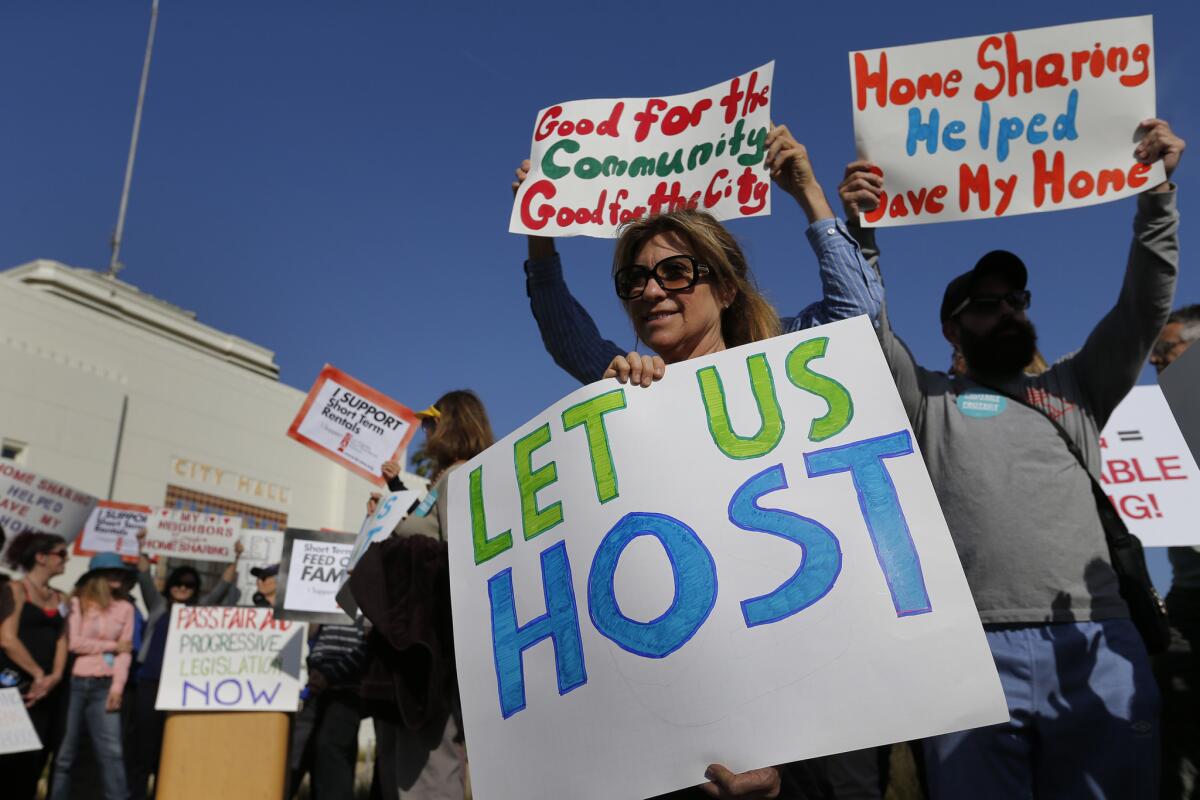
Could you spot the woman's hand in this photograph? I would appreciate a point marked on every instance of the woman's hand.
(113, 701)
(540, 247)
(373, 502)
(757, 783)
(238, 549)
(123, 646)
(636, 369)
(390, 469)
(41, 686)
(792, 170)
(143, 564)
(861, 188)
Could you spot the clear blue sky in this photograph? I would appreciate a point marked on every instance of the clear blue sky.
(331, 179)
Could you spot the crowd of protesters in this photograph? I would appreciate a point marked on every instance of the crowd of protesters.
(1080, 684)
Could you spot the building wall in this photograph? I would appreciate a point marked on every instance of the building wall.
(196, 417)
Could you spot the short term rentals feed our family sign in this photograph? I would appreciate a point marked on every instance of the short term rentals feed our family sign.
(1010, 123)
(744, 563)
(599, 163)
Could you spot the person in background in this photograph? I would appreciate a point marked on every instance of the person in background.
(1021, 509)
(337, 656)
(101, 637)
(1178, 669)
(33, 652)
(687, 288)
(265, 596)
(182, 586)
(418, 729)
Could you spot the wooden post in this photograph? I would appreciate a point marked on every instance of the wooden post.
(230, 755)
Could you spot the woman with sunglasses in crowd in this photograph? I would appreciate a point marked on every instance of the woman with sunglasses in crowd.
(33, 651)
(182, 586)
(686, 287)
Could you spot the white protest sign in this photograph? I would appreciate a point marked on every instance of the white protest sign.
(1148, 471)
(191, 534)
(113, 528)
(1011, 123)
(390, 511)
(17, 734)
(32, 502)
(311, 571)
(230, 659)
(352, 424)
(783, 472)
(262, 548)
(599, 163)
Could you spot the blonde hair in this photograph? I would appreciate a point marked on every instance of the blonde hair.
(95, 591)
(749, 317)
(463, 430)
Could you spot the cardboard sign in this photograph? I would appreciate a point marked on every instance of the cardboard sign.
(745, 563)
(222, 658)
(32, 502)
(17, 734)
(599, 163)
(263, 547)
(113, 528)
(1148, 471)
(388, 514)
(191, 534)
(351, 423)
(1010, 123)
(1180, 384)
(311, 571)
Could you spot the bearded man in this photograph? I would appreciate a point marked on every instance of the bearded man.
(1020, 507)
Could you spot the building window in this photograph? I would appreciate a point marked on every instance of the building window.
(13, 450)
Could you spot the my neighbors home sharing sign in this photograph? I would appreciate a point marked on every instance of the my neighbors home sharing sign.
(744, 563)
(1010, 123)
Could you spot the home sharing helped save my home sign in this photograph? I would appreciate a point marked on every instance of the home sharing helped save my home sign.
(744, 563)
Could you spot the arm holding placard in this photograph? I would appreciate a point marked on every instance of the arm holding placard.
(226, 593)
(151, 596)
(1108, 364)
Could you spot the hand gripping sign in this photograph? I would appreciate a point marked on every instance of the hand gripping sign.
(744, 563)
(1010, 123)
(350, 423)
(599, 163)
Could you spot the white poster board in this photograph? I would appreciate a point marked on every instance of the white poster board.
(843, 619)
(175, 533)
(33, 502)
(1148, 471)
(233, 658)
(311, 571)
(599, 163)
(1009, 123)
(113, 528)
(17, 734)
(388, 514)
(263, 548)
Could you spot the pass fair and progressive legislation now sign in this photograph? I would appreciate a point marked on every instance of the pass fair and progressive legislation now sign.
(1009, 123)
(352, 424)
(599, 163)
(745, 563)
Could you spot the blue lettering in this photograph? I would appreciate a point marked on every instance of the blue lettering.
(692, 569)
(560, 624)
(920, 131)
(881, 511)
(949, 139)
(263, 696)
(1032, 133)
(1009, 128)
(201, 690)
(819, 566)
(228, 681)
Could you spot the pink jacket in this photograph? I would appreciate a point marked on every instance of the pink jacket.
(93, 634)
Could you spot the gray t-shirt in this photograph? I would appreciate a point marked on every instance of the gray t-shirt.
(1018, 505)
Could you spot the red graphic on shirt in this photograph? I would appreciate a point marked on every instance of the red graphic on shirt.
(1055, 407)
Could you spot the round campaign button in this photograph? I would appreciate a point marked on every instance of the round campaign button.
(980, 404)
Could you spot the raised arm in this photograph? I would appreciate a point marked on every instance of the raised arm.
(860, 190)
(568, 332)
(1108, 364)
(150, 595)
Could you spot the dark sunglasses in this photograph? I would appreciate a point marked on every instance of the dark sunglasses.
(59, 553)
(186, 585)
(990, 303)
(673, 274)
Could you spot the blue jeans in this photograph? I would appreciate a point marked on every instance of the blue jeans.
(86, 706)
(1083, 710)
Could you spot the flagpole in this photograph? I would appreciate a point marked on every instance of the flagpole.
(114, 264)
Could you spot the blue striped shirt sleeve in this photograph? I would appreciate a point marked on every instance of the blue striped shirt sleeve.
(849, 285)
(568, 333)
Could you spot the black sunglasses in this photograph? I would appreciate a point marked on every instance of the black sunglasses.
(990, 303)
(672, 274)
(186, 585)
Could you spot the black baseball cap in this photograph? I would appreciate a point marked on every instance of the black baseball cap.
(998, 262)
(269, 571)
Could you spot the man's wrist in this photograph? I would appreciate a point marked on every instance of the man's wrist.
(812, 200)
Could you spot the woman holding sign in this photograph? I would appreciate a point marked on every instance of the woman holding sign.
(708, 300)
(686, 286)
(419, 750)
(33, 650)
